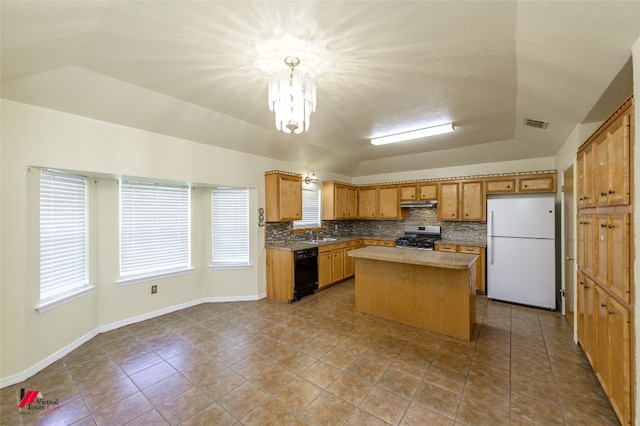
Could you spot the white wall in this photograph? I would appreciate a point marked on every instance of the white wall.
(37, 137)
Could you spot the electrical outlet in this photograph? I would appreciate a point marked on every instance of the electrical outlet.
(154, 289)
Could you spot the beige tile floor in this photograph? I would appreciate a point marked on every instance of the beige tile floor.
(320, 362)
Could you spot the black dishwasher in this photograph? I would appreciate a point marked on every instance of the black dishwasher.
(305, 272)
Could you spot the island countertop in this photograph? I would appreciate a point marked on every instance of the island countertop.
(437, 259)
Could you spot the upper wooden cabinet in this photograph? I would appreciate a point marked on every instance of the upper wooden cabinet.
(283, 197)
(379, 202)
(463, 200)
(409, 192)
(339, 201)
(428, 191)
(500, 185)
(604, 163)
(537, 183)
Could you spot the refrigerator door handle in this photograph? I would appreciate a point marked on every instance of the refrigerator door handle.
(490, 230)
(490, 241)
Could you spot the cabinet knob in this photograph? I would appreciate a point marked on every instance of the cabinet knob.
(611, 312)
(610, 226)
(604, 305)
(603, 194)
(569, 258)
(602, 225)
(611, 191)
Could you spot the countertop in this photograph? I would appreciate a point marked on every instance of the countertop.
(437, 259)
(300, 245)
(481, 244)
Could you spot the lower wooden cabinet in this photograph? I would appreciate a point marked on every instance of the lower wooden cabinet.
(604, 331)
(377, 242)
(334, 264)
(481, 269)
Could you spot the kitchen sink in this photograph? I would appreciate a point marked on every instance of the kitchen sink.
(321, 240)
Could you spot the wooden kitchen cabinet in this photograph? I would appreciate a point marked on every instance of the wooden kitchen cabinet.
(584, 167)
(448, 200)
(338, 201)
(280, 275)
(537, 183)
(613, 253)
(473, 201)
(348, 260)
(324, 266)
(379, 202)
(388, 202)
(409, 193)
(428, 191)
(283, 197)
(481, 269)
(378, 242)
(463, 200)
(337, 263)
(612, 163)
(500, 185)
(604, 256)
(368, 202)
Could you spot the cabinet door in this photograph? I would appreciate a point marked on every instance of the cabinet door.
(544, 183)
(337, 265)
(618, 140)
(428, 191)
(367, 203)
(620, 360)
(601, 255)
(602, 338)
(497, 186)
(480, 266)
(290, 198)
(408, 193)
(388, 202)
(601, 170)
(351, 197)
(448, 201)
(587, 180)
(580, 308)
(324, 269)
(588, 233)
(340, 202)
(473, 205)
(580, 241)
(586, 288)
(618, 257)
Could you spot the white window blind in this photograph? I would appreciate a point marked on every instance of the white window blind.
(230, 227)
(63, 235)
(154, 230)
(310, 209)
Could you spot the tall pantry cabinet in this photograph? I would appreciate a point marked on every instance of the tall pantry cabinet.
(605, 253)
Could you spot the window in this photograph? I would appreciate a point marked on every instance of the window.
(63, 236)
(310, 209)
(154, 231)
(229, 227)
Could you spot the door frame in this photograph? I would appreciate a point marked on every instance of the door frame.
(567, 260)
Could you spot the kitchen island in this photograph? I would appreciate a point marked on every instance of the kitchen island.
(431, 290)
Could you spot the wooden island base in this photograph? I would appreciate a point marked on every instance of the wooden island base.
(433, 298)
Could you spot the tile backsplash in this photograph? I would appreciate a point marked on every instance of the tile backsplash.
(462, 231)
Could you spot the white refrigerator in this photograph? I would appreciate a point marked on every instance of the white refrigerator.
(521, 249)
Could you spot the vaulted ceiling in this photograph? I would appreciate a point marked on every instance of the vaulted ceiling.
(199, 70)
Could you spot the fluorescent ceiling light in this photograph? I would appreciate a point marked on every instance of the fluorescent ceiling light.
(414, 134)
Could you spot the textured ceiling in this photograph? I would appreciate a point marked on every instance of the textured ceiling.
(199, 70)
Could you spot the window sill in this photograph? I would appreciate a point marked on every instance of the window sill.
(50, 304)
(220, 266)
(140, 279)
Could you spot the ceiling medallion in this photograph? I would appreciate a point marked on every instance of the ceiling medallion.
(292, 96)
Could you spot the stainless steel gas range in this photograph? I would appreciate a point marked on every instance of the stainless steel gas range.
(419, 237)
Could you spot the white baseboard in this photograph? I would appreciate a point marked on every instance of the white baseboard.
(20, 377)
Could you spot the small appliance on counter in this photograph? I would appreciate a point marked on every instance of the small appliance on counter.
(419, 237)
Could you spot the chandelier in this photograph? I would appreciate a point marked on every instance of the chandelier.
(292, 96)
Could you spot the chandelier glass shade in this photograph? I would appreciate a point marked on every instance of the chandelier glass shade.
(292, 96)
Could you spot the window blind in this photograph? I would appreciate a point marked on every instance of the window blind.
(310, 209)
(154, 229)
(63, 235)
(229, 226)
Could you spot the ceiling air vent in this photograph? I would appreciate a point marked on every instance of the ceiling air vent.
(536, 123)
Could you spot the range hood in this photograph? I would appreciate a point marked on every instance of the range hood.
(424, 203)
